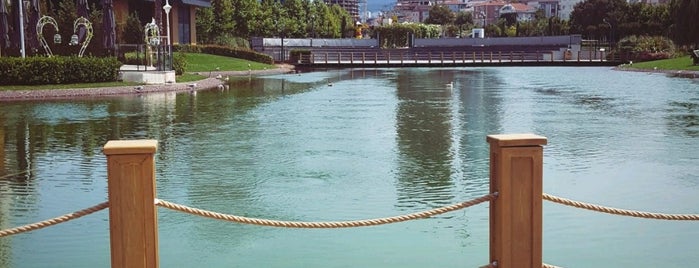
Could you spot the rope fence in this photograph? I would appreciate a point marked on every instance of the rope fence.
(334, 224)
(622, 212)
(54, 221)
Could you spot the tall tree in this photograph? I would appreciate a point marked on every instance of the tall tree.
(246, 13)
(440, 14)
(684, 28)
(596, 18)
(205, 24)
(223, 17)
(296, 23)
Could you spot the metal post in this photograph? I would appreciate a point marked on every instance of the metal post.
(516, 171)
(167, 8)
(21, 28)
(133, 226)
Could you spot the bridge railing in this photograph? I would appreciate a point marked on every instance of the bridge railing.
(393, 57)
(515, 195)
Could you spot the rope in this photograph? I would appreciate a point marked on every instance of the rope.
(54, 221)
(623, 212)
(335, 224)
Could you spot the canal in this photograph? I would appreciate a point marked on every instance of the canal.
(363, 143)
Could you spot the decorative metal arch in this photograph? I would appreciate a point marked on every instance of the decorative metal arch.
(152, 34)
(82, 21)
(39, 32)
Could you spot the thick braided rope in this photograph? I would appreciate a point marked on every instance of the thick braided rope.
(54, 221)
(335, 224)
(623, 212)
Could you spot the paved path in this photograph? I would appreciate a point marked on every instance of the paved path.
(208, 83)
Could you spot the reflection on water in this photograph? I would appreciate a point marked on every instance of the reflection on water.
(424, 138)
(362, 143)
(683, 117)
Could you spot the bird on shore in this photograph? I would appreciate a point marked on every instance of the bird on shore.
(192, 85)
(218, 76)
(220, 87)
(227, 78)
(138, 88)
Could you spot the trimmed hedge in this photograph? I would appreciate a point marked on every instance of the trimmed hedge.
(57, 70)
(239, 53)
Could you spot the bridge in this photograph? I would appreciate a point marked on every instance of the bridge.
(568, 50)
(452, 57)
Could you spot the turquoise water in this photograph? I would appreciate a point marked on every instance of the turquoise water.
(355, 144)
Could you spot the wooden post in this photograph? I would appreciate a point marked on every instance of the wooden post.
(133, 225)
(516, 170)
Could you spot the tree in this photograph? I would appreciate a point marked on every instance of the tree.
(440, 14)
(134, 28)
(205, 24)
(223, 17)
(246, 13)
(296, 26)
(684, 27)
(588, 17)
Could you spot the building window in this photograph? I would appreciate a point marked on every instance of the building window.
(183, 23)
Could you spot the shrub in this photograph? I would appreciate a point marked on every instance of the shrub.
(645, 48)
(240, 53)
(179, 63)
(57, 70)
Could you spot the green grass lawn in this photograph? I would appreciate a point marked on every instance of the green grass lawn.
(199, 62)
(681, 63)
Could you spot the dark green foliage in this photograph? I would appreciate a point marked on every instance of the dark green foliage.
(134, 28)
(645, 48)
(440, 14)
(179, 63)
(684, 28)
(245, 54)
(57, 70)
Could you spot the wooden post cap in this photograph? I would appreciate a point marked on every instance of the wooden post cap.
(511, 140)
(130, 147)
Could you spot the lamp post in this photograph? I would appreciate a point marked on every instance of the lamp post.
(611, 35)
(21, 27)
(313, 28)
(167, 7)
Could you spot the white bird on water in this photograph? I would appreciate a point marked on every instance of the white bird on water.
(450, 85)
